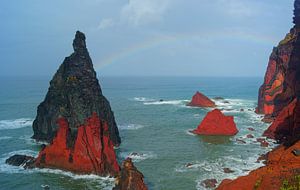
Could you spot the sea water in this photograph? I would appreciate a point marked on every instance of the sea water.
(154, 124)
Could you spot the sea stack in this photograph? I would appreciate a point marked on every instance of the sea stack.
(74, 94)
(282, 103)
(200, 100)
(216, 123)
(77, 119)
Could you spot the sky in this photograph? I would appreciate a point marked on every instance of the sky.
(144, 37)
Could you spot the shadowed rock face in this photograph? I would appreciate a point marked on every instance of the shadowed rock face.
(74, 94)
(130, 178)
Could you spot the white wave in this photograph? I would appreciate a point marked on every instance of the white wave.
(31, 141)
(188, 132)
(15, 124)
(131, 127)
(138, 156)
(5, 138)
(143, 99)
(167, 102)
(104, 182)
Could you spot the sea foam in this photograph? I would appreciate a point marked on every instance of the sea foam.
(15, 124)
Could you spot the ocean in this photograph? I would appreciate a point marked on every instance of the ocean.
(155, 133)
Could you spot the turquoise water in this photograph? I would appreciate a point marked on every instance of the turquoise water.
(157, 131)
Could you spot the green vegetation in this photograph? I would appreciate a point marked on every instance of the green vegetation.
(257, 184)
(294, 184)
(287, 38)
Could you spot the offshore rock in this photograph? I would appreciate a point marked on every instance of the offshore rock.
(74, 94)
(200, 100)
(21, 160)
(130, 178)
(93, 151)
(216, 123)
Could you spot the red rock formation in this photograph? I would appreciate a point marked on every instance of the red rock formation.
(216, 123)
(282, 166)
(200, 100)
(286, 124)
(130, 178)
(275, 75)
(93, 151)
(280, 100)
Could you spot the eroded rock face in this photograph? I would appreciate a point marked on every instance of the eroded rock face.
(275, 76)
(130, 178)
(216, 123)
(74, 94)
(200, 100)
(93, 151)
(286, 127)
(282, 165)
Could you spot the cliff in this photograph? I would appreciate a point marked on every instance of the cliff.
(74, 94)
(281, 102)
(281, 170)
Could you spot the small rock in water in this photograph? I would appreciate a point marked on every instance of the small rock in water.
(225, 102)
(260, 140)
(188, 165)
(161, 100)
(250, 136)
(242, 110)
(262, 157)
(251, 129)
(21, 160)
(227, 170)
(218, 98)
(45, 187)
(264, 143)
(134, 154)
(209, 183)
(240, 141)
(296, 152)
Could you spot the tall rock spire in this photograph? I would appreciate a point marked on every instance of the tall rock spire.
(296, 18)
(74, 94)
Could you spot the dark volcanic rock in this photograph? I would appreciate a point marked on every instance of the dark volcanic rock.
(21, 160)
(130, 178)
(209, 183)
(227, 170)
(74, 94)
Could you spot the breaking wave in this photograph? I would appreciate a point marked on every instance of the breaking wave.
(15, 124)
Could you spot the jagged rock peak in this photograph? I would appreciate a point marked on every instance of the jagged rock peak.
(79, 44)
(297, 13)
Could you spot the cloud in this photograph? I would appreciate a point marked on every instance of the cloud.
(106, 23)
(139, 12)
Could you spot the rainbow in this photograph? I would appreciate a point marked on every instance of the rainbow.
(156, 42)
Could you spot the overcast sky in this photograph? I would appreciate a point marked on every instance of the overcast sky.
(144, 37)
